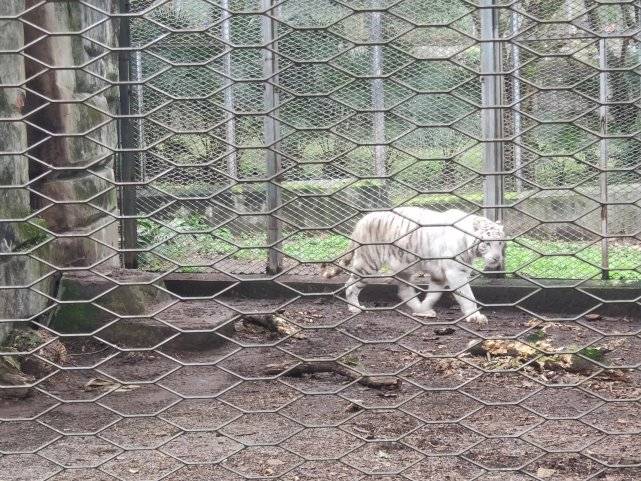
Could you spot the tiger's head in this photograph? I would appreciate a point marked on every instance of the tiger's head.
(491, 242)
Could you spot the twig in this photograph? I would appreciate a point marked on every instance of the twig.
(89, 353)
(374, 382)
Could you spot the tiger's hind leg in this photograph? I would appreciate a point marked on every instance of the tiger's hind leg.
(355, 284)
(353, 288)
(434, 293)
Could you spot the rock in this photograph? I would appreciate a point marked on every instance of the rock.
(24, 340)
(545, 472)
(444, 331)
(138, 297)
(12, 380)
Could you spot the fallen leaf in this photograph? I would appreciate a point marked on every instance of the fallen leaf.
(545, 472)
(97, 383)
(383, 454)
(127, 388)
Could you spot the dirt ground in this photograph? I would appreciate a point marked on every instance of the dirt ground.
(381, 396)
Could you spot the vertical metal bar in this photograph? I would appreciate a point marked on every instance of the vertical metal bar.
(271, 135)
(127, 161)
(140, 106)
(516, 94)
(230, 135)
(491, 114)
(567, 5)
(603, 176)
(569, 13)
(378, 93)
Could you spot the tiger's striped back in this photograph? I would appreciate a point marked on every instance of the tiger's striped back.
(403, 237)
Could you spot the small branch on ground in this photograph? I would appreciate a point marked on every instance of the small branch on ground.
(374, 382)
(275, 323)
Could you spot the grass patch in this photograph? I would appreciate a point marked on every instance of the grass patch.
(593, 353)
(318, 248)
(536, 336)
(570, 260)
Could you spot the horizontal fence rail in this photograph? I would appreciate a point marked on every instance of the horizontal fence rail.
(320, 240)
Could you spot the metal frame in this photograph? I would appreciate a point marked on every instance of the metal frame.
(129, 227)
(492, 101)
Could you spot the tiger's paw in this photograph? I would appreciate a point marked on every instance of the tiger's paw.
(477, 318)
(354, 309)
(431, 313)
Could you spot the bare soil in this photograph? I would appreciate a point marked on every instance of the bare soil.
(380, 396)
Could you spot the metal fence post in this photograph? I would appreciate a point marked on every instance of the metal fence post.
(140, 108)
(378, 94)
(271, 135)
(230, 134)
(492, 114)
(603, 176)
(127, 163)
(516, 101)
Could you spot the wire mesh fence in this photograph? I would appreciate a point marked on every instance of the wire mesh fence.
(365, 107)
(176, 174)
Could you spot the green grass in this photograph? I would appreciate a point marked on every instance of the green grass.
(529, 258)
(593, 353)
(477, 198)
(316, 248)
(570, 260)
(536, 336)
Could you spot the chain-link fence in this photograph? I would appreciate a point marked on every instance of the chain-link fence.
(336, 108)
(174, 173)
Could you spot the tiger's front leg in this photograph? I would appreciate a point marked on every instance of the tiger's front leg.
(405, 280)
(459, 280)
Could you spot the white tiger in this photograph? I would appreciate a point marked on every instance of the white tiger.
(413, 239)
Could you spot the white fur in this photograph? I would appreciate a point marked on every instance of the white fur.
(442, 245)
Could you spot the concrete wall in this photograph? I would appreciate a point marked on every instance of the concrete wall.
(90, 216)
(91, 191)
(15, 236)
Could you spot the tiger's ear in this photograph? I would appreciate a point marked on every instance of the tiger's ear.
(478, 222)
